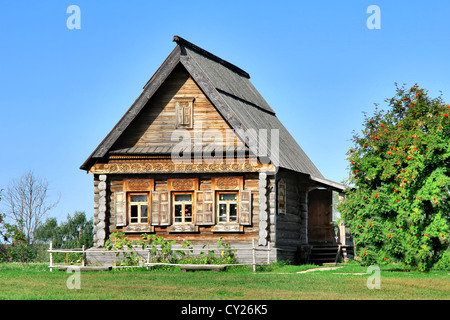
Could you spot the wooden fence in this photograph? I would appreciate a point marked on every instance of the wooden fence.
(84, 252)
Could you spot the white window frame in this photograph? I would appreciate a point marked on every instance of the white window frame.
(139, 205)
(183, 204)
(227, 203)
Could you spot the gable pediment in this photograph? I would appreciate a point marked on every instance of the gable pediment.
(224, 99)
(154, 129)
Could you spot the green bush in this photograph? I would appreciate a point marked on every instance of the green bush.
(161, 251)
(400, 166)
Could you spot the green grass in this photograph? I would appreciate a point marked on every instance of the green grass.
(281, 282)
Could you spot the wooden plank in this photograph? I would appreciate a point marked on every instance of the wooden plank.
(202, 267)
(85, 268)
(158, 120)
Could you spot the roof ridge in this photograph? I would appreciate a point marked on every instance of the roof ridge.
(183, 42)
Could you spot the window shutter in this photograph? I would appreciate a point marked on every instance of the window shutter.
(184, 111)
(160, 209)
(180, 116)
(120, 208)
(245, 207)
(204, 208)
(187, 116)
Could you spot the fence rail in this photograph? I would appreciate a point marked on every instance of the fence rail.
(84, 252)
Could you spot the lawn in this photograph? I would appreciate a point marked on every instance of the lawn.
(35, 282)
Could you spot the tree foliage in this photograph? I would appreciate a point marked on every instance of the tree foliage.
(73, 233)
(399, 208)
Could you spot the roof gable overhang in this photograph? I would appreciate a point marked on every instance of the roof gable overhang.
(230, 91)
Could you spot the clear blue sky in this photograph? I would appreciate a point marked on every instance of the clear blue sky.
(315, 62)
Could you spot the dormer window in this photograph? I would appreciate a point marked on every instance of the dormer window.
(184, 112)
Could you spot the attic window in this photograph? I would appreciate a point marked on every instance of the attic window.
(184, 112)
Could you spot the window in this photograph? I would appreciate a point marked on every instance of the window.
(184, 112)
(281, 197)
(227, 204)
(138, 208)
(182, 207)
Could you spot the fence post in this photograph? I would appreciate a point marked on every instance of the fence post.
(83, 257)
(253, 255)
(268, 252)
(51, 255)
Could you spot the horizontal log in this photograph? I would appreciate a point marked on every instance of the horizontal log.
(85, 268)
(202, 267)
(288, 226)
(287, 235)
(288, 217)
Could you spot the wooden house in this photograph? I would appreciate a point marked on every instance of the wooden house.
(201, 155)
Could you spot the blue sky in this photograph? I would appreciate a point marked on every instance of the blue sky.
(315, 62)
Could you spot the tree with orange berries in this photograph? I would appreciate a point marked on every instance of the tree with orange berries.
(399, 208)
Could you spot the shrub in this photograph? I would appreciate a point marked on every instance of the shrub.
(161, 251)
(398, 210)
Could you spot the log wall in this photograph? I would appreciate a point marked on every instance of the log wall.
(291, 226)
(263, 201)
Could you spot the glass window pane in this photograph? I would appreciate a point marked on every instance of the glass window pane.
(188, 213)
(222, 212)
(188, 210)
(233, 212)
(178, 208)
(134, 214)
(138, 198)
(183, 197)
(134, 211)
(228, 196)
(144, 211)
(144, 220)
(233, 209)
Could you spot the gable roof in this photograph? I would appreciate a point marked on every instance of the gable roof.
(229, 89)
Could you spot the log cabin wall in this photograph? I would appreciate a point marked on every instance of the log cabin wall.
(291, 218)
(101, 212)
(238, 236)
(194, 87)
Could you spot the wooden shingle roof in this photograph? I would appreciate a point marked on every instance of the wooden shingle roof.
(229, 89)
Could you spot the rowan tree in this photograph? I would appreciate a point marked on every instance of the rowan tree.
(399, 207)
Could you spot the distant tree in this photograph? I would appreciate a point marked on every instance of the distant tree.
(9, 233)
(73, 233)
(27, 204)
(398, 210)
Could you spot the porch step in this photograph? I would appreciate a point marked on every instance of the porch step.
(321, 254)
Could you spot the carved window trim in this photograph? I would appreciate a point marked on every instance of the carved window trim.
(227, 183)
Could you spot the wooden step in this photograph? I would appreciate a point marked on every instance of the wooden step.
(321, 254)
